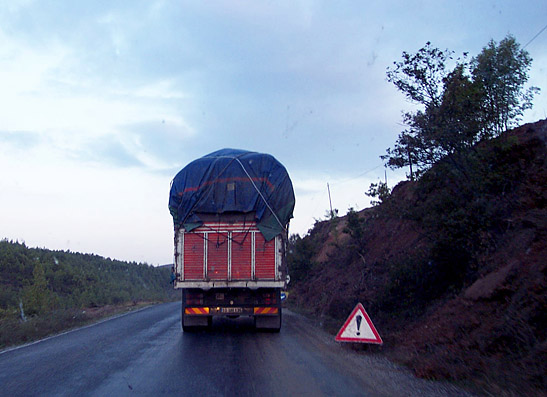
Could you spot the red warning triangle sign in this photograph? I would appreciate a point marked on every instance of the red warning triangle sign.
(358, 328)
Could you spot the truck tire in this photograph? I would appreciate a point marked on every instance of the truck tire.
(187, 328)
(184, 322)
(195, 328)
(189, 322)
(280, 321)
(269, 323)
(193, 323)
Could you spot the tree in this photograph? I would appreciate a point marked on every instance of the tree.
(501, 72)
(378, 190)
(475, 100)
(37, 298)
(420, 77)
(299, 256)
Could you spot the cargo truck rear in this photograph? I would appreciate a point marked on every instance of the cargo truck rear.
(231, 211)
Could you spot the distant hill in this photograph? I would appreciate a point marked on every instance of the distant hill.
(451, 268)
(168, 266)
(37, 283)
(75, 279)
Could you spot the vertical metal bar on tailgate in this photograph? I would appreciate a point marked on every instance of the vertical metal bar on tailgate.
(277, 274)
(229, 256)
(205, 253)
(181, 254)
(253, 255)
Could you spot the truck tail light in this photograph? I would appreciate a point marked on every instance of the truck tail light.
(194, 298)
(270, 298)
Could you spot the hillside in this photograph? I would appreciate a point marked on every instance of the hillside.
(44, 291)
(451, 268)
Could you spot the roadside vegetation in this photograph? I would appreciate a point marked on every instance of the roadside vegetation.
(451, 263)
(44, 292)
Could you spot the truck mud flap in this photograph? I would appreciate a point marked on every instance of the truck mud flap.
(196, 323)
(268, 323)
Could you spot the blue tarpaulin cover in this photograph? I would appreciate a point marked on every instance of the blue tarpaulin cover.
(231, 180)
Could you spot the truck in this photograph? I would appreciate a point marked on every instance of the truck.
(231, 211)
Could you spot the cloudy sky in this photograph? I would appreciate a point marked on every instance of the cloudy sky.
(103, 102)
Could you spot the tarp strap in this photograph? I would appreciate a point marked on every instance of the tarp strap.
(260, 193)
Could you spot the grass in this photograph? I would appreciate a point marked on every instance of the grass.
(14, 331)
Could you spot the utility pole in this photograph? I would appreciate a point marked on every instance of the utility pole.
(330, 202)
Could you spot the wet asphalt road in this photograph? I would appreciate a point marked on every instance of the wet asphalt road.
(146, 353)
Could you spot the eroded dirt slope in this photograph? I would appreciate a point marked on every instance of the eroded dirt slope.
(487, 328)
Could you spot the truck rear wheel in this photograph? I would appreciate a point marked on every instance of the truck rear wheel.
(187, 328)
(268, 323)
(194, 323)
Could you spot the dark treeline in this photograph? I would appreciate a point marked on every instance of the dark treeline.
(35, 281)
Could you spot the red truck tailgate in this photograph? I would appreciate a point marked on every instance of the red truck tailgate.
(227, 252)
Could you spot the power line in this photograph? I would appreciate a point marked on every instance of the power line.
(356, 177)
(533, 38)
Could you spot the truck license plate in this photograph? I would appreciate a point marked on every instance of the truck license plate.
(231, 310)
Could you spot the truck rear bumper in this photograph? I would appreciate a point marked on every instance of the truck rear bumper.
(231, 311)
(206, 285)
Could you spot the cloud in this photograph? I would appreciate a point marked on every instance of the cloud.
(109, 151)
(102, 103)
(86, 207)
(160, 143)
(20, 140)
(45, 95)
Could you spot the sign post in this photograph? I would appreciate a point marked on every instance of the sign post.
(358, 328)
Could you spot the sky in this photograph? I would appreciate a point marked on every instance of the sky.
(103, 102)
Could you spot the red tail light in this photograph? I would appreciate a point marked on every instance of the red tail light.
(270, 298)
(194, 298)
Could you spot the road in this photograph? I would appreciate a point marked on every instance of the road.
(146, 353)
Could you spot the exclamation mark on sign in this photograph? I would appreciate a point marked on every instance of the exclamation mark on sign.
(358, 318)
